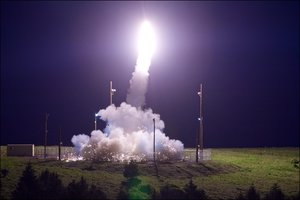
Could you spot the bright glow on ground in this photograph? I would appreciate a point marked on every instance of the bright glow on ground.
(146, 47)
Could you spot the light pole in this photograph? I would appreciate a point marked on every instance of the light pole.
(200, 136)
(46, 134)
(111, 92)
(154, 159)
(59, 145)
(96, 115)
(154, 140)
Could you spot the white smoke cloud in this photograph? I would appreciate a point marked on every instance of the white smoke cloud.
(129, 131)
(130, 118)
(80, 141)
(128, 135)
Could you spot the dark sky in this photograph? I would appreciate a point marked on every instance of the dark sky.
(58, 57)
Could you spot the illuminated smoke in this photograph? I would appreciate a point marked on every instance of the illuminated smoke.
(129, 131)
(128, 135)
(139, 81)
(138, 88)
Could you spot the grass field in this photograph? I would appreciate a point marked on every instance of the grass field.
(230, 172)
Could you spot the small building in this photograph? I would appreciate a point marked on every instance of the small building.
(20, 150)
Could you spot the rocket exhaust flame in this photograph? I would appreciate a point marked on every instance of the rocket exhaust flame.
(146, 47)
(139, 81)
(129, 131)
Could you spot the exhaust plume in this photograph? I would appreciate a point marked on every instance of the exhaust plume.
(139, 81)
(129, 130)
(128, 135)
(138, 88)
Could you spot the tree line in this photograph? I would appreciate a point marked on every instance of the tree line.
(48, 185)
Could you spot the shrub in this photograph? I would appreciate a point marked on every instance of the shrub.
(96, 193)
(133, 188)
(133, 182)
(252, 194)
(295, 163)
(191, 192)
(240, 197)
(81, 190)
(123, 193)
(50, 186)
(4, 173)
(275, 193)
(155, 195)
(171, 192)
(140, 191)
(296, 197)
(131, 170)
(146, 189)
(77, 190)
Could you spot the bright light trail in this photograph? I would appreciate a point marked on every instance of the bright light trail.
(146, 47)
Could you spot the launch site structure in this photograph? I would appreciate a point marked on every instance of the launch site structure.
(200, 132)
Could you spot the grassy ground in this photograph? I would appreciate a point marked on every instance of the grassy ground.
(261, 166)
(229, 172)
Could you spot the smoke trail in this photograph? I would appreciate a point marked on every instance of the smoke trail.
(139, 81)
(138, 88)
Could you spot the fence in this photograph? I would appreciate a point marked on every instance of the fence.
(190, 155)
(52, 152)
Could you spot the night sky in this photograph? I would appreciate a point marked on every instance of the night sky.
(58, 57)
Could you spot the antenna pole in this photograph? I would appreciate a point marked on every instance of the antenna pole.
(201, 117)
(96, 121)
(154, 140)
(200, 133)
(111, 92)
(154, 159)
(46, 134)
(59, 145)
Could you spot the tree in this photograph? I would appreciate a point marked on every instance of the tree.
(4, 173)
(190, 188)
(155, 195)
(123, 193)
(50, 185)
(252, 194)
(77, 190)
(191, 192)
(96, 193)
(275, 193)
(131, 170)
(171, 192)
(27, 186)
